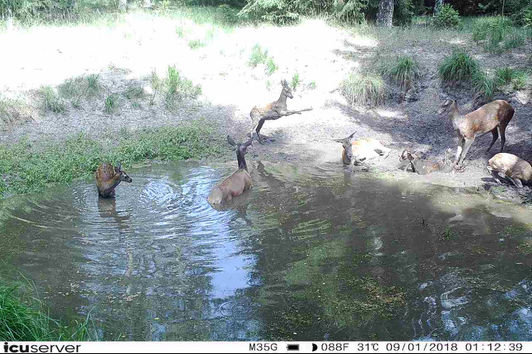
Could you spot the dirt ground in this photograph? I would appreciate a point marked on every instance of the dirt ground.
(322, 55)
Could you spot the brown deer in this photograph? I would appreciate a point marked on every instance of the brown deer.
(360, 150)
(108, 177)
(271, 111)
(238, 182)
(424, 167)
(509, 166)
(493, 116)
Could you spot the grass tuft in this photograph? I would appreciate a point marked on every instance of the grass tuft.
(458, 67)
(363, 89)
(177, 88)
(23, 318)
(295, 81)
(111, 104)
(51, 100)
(258, 56)
(404, 71)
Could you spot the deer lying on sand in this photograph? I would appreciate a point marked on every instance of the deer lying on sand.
(108, 177)
(356, 151)
(424, 167)
(272, 111)
(493, 116)
(508, 166)
(238, 182)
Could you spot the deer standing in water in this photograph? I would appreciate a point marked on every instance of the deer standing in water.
(509, 166)
(272, 111)
(108, 177)
(493, 116)
(238, 182)
(356, 151)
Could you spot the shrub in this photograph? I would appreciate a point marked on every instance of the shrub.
(517, 78)
(295, 81)
(178, 88)
(271, 67)
(363, 89)
(447, 17)
(258, 56)
(458, 67)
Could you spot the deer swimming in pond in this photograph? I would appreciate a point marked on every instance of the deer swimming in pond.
(508, 166)
(238, 182)
(108, 177)
(356, 151)
(493, 116)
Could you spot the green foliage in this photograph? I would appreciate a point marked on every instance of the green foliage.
(404, 71)
(23, 318)
(134, 92)
(271, 67)
(258, 56)
(275, 11)
(458, 67)
(447, 17)
(484, 84)
(13, 111)
(51, 101)
(363, 89)
(498, 33)
(29, 167)
(175, 87)
(295, 81)
(111, 104)
(506, 76)
(80, 87)
(195, 44)
(403, 12)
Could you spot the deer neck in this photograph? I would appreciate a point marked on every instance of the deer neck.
(115, 181)
(241, 162)
(282, 99)
(456, 117)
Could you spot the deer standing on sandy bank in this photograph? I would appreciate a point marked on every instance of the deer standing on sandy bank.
(238, 182)
(509, 166)
(356, 151)
(108, 177)
(424, 167)
(493, 116)
(272, 111)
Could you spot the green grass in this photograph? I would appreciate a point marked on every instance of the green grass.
(51, 100)
(295, 81)
(271, 67)
(13, 111)
(27, 167)
(24, 318)
(75, 89)
(134, 92)
(404, 70)
(195, 44)
(364, 89)
(458, 67)
(258, 56)
(111, 104)
(498, 34)
(177, 88)
(507, 76)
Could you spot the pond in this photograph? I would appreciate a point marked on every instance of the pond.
(310, 253)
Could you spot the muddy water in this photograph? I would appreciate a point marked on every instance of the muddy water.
(310, 253)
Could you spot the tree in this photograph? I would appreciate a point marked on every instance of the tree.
(385, 14)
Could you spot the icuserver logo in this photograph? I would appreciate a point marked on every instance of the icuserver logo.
(41, 348)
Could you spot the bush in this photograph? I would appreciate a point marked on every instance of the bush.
(275, 11)
(458, 67)
(447, 17)
(363, 89)
(499, 34)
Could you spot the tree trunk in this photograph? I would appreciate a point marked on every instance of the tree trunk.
(437, 6)
(385, 14)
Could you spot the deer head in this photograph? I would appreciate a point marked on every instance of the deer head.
(446, 106)
(347, 144)
(121, 174)
(241, 150)
(287, 90)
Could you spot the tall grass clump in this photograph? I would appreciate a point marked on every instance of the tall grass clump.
(447, 17)
(458, 67)
(51, 100)
(506, 76)
(174, 87)
(23, 318)
(403, 71)
(81, 87)
(363, 89)
(498, 34)
(13, 111)
(258, 56)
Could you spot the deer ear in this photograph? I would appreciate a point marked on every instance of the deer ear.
(231, 141)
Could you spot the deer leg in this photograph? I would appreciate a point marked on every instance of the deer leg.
(502, 130)
(459, 150)
(495, 134)
(517, 182)
(467, 145)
